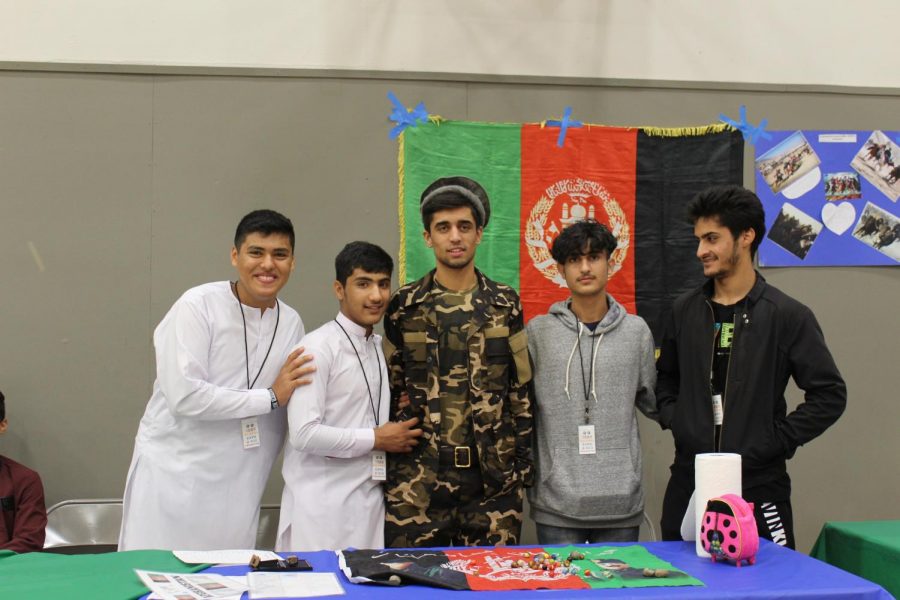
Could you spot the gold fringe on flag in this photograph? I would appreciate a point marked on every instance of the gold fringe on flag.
(667, 131)
(647, 129)
(401, 256)
(686, 131)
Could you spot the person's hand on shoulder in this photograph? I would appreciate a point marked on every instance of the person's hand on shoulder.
(295, 373)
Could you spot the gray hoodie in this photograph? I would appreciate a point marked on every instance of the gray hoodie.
(589, 490)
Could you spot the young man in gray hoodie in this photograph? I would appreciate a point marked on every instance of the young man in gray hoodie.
(593, 365)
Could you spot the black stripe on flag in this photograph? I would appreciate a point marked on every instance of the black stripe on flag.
(669, 172)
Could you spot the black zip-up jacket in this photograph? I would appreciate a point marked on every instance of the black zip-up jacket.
(776, 337)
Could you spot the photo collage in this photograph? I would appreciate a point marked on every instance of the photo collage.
(830, 198)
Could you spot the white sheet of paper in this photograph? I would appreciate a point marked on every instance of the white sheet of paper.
(293, 585)
(236, 579)
(222, 557)
(803, 185)
(192, 586)
(837, 138)
(838, 217)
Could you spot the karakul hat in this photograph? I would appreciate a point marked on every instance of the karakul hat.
(466, 188)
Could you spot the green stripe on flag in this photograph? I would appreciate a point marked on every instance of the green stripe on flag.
(489, 153)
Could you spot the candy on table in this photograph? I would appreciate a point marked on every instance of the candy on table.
(656, 573)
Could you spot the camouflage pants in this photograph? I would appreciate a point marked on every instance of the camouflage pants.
(457, 514)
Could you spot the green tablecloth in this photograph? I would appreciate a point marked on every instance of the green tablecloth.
(39, 576)
(870, 549)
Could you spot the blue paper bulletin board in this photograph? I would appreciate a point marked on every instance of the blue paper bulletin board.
(831, 198)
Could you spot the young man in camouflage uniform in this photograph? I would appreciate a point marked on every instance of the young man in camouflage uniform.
(459, 351)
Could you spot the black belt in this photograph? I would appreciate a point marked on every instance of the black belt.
(460, 457)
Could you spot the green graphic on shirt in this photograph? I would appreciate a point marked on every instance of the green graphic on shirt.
(726, 335)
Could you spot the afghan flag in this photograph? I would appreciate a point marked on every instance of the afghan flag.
(514, 568)
(636, 181)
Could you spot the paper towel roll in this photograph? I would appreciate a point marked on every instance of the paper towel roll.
(715, 474)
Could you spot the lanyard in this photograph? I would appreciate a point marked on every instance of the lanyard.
(246, 351)
(375, 410)
(589, 384)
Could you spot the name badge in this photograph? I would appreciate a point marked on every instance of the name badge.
(587, 443)
(379, 465)
(250, 432)
(717, 409)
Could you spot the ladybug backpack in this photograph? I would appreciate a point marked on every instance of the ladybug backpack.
(728, 530)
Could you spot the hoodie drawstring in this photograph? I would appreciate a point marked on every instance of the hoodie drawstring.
(591, 382)
(569, 363)
(594, 354)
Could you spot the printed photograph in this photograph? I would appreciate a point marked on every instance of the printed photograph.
(794, 230)
(212, 586)
(879, 162)
(787, 162)
(842, 186)
(879, 229)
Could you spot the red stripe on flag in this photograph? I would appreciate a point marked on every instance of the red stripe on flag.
(494, 569)
(592, 175)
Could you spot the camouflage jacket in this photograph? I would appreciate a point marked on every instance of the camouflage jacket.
(498, 370)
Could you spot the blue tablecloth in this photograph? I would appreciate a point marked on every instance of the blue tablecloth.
(778, 573)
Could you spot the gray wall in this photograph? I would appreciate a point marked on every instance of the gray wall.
(120, 191)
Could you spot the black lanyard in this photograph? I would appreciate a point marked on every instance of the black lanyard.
(246, 350)
(590, 380)
(375, 410)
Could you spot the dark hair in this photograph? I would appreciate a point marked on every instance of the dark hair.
(2, 406)
(361, 255)
(266, 222)
(467, 193)
(583, 237)
(734, 207)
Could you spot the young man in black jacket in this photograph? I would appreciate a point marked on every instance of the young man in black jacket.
(727, 352)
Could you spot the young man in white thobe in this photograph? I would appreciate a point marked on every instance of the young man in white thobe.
(338, 426)
(213, 426)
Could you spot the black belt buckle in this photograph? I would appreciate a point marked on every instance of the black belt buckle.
(458, 453)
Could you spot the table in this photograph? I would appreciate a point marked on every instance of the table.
(778, 573)
(870, 549)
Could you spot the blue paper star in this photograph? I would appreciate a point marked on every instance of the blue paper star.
(404, 117)
(751, 134)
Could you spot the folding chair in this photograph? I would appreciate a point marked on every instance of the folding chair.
(84, 526)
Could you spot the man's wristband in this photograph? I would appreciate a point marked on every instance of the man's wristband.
(273, 398)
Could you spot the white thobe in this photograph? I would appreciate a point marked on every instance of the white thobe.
(330, 500)
(191, 484)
